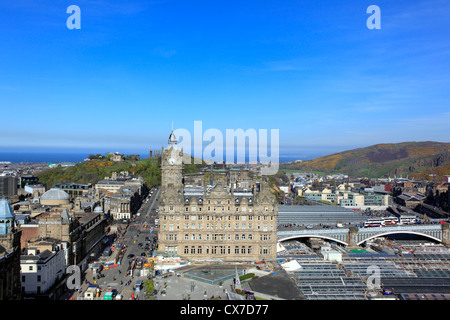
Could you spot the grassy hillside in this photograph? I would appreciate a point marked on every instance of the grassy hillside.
(95, 170)
(415, 159)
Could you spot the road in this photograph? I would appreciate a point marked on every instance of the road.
(134, 239)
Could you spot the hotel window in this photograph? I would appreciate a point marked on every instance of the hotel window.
(170, 208)
(186, 237)
(186, 250)
(236, 250)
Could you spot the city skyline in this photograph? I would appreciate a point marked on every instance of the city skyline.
(313, 70)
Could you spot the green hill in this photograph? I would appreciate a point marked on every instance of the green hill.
(97, 169)
(415, 159)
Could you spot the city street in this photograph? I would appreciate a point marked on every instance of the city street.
(138, 239)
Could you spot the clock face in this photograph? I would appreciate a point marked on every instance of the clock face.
(171, 161)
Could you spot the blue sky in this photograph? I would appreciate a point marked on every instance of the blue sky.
(310, 68)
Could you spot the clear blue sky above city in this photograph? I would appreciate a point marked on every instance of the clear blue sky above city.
(310, 68)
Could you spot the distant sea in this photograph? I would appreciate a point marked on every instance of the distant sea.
(59, 157)
(50, 157)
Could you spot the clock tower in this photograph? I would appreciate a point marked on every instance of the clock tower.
(171, 166)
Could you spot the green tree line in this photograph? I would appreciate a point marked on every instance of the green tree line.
(97, 169)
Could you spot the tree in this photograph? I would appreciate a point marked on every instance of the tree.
(149, 289)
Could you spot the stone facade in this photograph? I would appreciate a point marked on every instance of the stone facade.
(10, 235)
(223, 220)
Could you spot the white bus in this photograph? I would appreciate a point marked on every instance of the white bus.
(390, 220)
(407, 220)
(373, 223)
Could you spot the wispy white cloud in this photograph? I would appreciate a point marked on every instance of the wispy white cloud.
(164, 52)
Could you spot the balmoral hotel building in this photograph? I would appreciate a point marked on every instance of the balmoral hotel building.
(214, 215)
